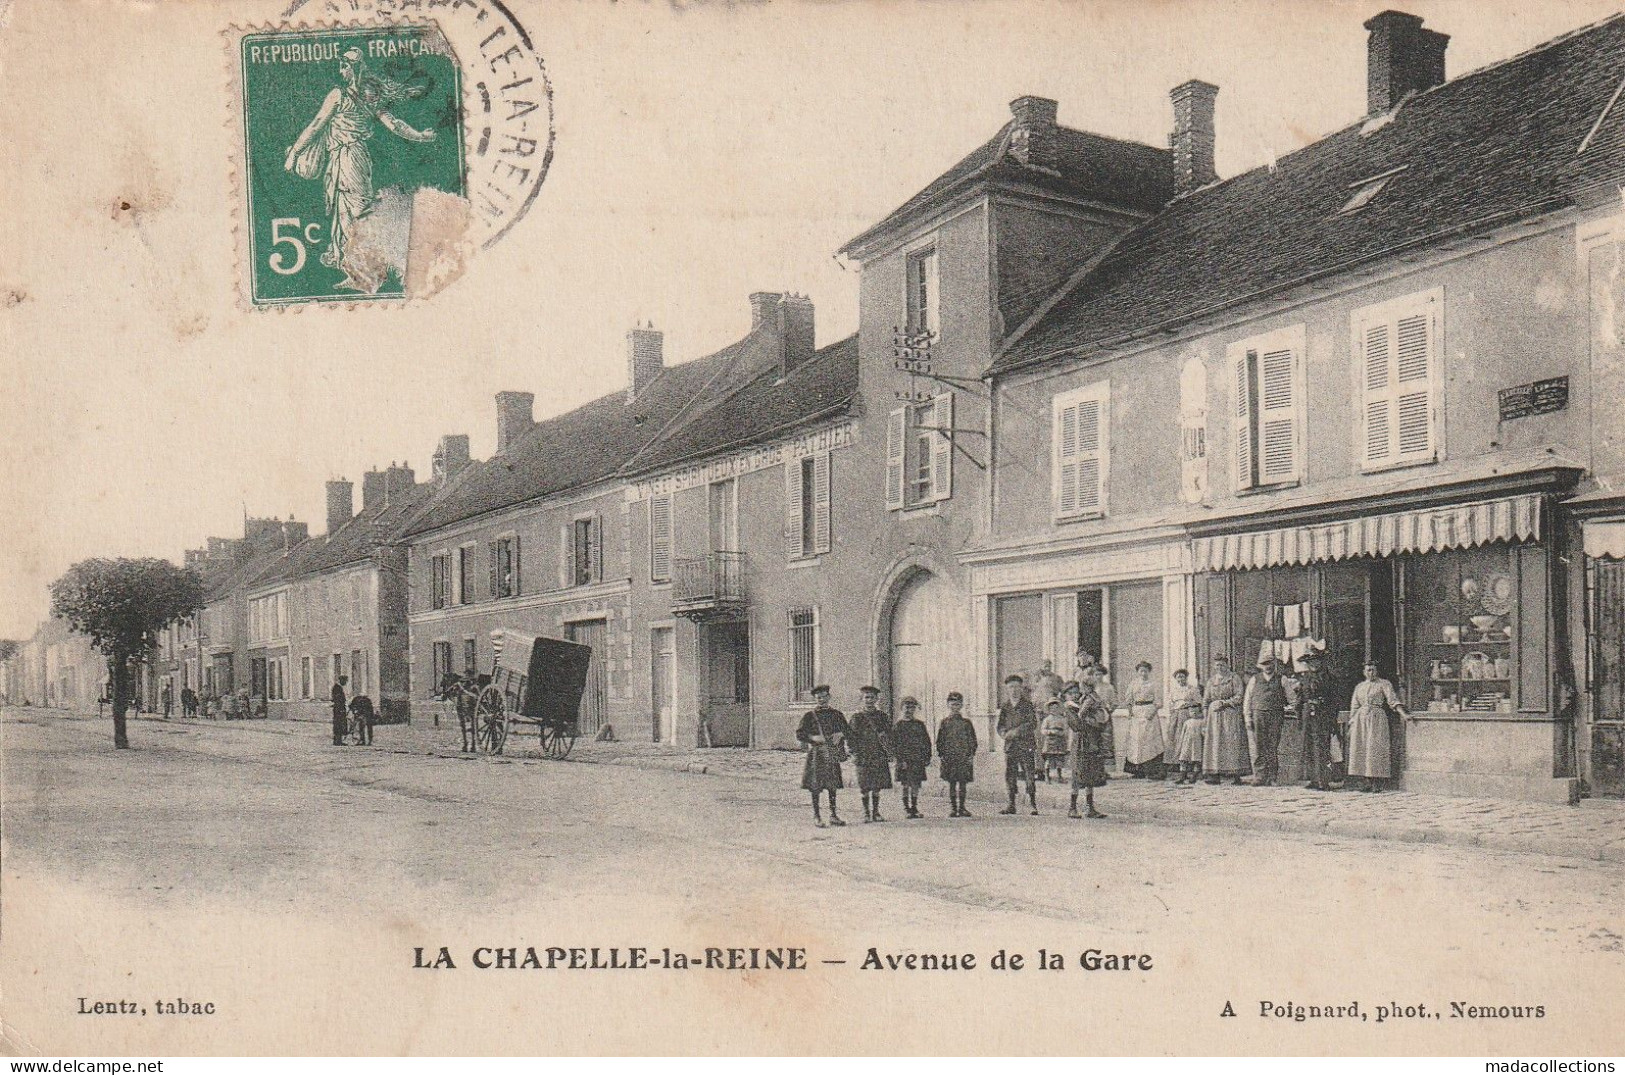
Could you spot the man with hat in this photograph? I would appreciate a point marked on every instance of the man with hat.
(1265, 708)
(1018, 728)
(822, 733)
(911, 746)
(870, 738)
(1319, 718)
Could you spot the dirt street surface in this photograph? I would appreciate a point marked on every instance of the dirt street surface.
(289, 883)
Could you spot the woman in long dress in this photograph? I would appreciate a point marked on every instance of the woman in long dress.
(1184, 729)
(1370, 748)
(1145, 749)
(1088, 718)
(1224, 751)
(344, 125)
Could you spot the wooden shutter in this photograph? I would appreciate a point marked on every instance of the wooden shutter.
(942, 447)
(1279, 436)
(933, 296)
(896, 444)
(659, 538)
(1080, 449)
(1243, 412)
(495, 551)
(513, 567)
(1399, 368)
(820, 489)
(595, 568)
(794, 547)
(1413, 386)
(567, 550)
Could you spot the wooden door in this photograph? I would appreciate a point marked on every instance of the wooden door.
(595, 697)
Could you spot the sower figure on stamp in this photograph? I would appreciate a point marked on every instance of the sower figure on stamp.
(340, 711)
(911, 745)
(822, 733)
(870, 739)
(1018, 728)
(956, 753)
(1319, 720)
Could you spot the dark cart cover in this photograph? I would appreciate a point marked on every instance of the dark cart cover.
(556, 681)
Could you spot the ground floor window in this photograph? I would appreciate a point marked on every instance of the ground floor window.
(442, 665)
(1463, 613)
(803, 653)
(306, 679)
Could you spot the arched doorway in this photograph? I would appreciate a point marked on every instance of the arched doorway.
(926, 647)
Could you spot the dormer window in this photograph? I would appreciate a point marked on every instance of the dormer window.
(1366, 189)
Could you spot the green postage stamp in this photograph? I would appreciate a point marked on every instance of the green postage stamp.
(353, 140)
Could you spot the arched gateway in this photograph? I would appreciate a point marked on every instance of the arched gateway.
(923, 644)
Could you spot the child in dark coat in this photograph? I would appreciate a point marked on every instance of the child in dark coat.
(912, 745)
(956, 749)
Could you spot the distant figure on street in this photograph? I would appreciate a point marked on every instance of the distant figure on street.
(1370, 746)
(956, 753)
(167, 698)
(870, 739)
(363, 714)
(822, 733)
(911, 746)
(1018, 729)
(340, 710)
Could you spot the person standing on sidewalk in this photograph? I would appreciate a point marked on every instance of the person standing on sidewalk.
(167, 696)
(1052, 734)
(822, 733)
(340, 711)
(1089, 718)
(911, 744)
(1224, 748)
(1318, 719)
(870, 737)
(1184, 706)
(1265, 706)
(1018, 729)
(1370, 747)
(1146, 752)
(956, 753)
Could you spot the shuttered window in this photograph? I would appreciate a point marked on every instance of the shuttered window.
(581, 552)
(807, 505)
(1080, 451)
(660, 539)
(1267, 406)
(920, 453)
(504, 559)
(1398, 354)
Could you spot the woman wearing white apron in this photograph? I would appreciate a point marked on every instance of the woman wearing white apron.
(1370, 750)
(1145, 752)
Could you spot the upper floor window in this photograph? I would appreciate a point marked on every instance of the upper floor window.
(1266, 373)
(465, 575)
(660, 538)
(440, 579)
(923, 300)
(1399, 351)
(920, 453)
(806, 521)
(1080, 449)
(581, 562)
(505, 566)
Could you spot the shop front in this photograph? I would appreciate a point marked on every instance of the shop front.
(1453, 604)
(1602, 525)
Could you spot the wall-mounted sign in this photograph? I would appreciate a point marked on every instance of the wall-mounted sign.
(1540, 397)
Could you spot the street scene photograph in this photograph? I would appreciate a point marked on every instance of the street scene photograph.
(1023, 529)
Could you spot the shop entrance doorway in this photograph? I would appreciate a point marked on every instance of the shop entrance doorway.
(1608, 678)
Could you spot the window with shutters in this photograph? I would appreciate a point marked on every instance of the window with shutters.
(1080, 449)
(585, 550)
(504, 558)
(803, 653)
(440, 579)
(923, 302)
(920, 453)
(660, 538)
(442, 664)
(1398, 353)
(1266, 379)
(807, 507)
(463, 578)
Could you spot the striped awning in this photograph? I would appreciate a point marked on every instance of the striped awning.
(1605, 540)
(1461, 527)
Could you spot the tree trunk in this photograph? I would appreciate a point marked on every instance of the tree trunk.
(118, 673)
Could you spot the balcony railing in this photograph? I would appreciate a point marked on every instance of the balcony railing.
(709, 587)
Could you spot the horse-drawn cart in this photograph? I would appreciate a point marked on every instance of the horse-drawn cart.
(545, 697)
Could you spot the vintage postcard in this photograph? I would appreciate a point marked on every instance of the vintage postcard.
(1023, 528)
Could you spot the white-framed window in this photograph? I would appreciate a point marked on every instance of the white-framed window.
(920, 453)
(803, 653)
(1266, 379)
(1081, 451)
(660, 538)
(1399, 350)
(440, 579)
(307, 680)
(581, 551)
(807, 513)
(463, 588)
(504, 560)
(923, 302)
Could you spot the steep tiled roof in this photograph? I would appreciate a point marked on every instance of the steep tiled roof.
(580, 447)
(1128, 175)
(380, 524)
(1486, 149)
(258, 567)
(758, 410)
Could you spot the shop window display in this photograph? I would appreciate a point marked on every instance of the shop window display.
(1462, 652)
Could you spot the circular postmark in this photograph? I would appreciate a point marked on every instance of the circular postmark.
(384, 143)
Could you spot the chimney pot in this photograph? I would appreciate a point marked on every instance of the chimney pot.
(1401, 58)
(1193, 139)
(515, 416)
(1032, 111)
(450, 457)
(340, 504)
(645, 358)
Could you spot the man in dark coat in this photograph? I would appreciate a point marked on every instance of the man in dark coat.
(1265, 709)
(340, 711)
(362, 712)
(911, 746)
(870, 739)
(1319, 718)
(822, 733)
(1018, 728)
(956, 752)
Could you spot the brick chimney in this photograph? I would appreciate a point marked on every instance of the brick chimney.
(1192, 140)
(645, 358)
(1031, 115)
(294, 533)
(374, 488)
(797, 342)
(764, 307)
(450, 457)
(340, 504)
(515, 416)
(398, 481)
(1401, 58)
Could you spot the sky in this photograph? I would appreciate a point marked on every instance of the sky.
(703, 152)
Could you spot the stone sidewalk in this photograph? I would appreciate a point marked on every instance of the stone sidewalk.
(1593, 830)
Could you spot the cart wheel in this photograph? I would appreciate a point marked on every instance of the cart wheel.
(490, 721)
(558, 746)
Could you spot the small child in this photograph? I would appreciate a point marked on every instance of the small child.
(1054, 734)
(956, 750)
(911, 744)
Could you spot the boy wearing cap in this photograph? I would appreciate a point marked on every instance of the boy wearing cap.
(823, 732)
(911, 745)
(870, 738)
(956, 752)
(1018, 728)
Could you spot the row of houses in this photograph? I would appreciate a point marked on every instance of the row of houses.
(1363, 400)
